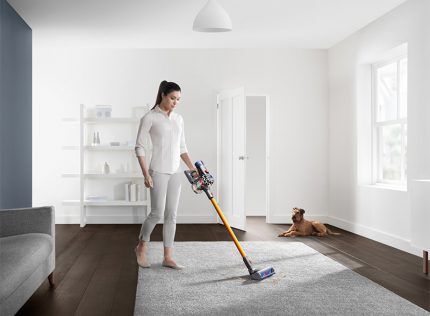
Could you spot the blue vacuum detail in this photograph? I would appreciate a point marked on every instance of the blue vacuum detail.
(258, 274)
(263, 273)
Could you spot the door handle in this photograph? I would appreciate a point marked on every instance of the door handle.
(243, 157)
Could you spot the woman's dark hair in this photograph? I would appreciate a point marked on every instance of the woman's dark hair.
(165, 88)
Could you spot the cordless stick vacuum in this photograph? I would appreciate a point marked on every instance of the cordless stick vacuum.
(201, 181)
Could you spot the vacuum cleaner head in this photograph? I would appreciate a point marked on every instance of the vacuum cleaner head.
(262, 274)
(258, 274)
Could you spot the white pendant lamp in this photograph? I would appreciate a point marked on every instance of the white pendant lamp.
(212, 18)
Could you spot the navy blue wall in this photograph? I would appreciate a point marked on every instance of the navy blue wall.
(15, 109)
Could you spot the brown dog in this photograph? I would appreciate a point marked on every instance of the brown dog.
(302, 227)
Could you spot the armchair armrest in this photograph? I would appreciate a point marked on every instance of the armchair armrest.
(27, 220)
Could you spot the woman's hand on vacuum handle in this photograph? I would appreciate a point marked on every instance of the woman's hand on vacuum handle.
(187, 160)
(148, 182)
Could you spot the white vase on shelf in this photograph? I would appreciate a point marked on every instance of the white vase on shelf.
(133, 197)
(138, 192)
(127, 191)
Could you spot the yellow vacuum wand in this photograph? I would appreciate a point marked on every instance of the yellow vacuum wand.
(227, 226)
(201, 180)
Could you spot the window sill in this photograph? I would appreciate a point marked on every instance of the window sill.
(385, 187)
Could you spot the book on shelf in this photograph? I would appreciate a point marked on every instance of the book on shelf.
(96, 198)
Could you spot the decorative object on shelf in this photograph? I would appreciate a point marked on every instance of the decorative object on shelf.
(133, 196)
(96, 139)
(103, 111)
(98, 198)
(127, 191)
(132, 192)
(106, 168)
(138, 194)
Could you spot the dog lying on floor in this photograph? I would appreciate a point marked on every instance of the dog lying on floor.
(302, 227)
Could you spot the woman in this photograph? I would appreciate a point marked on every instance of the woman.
(166, 130)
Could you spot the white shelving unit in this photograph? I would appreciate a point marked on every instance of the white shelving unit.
(85, 149)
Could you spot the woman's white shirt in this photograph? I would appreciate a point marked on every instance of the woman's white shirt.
(167, 136)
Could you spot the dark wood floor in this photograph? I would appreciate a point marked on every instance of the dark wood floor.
(96, 272)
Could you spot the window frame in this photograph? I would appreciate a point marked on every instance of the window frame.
(377, 167)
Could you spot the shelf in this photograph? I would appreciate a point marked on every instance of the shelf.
(100, 148)
(105, 203)
(94, 120)
(111, 120)
(113, 175)
(104, 176)
(108, 147)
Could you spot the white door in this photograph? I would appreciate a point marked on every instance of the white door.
(231, 138)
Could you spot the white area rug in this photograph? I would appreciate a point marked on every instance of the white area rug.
(216, 282)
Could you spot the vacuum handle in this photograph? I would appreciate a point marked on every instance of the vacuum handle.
(189, 174)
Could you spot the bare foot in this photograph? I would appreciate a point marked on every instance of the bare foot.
(140, 251)
(170, 263)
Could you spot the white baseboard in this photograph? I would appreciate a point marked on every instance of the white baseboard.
(66, 219)
(286, 219)
(374, 234)
(196, 219)
(255, 212)
(182, 219)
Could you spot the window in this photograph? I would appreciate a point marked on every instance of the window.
(389, 89)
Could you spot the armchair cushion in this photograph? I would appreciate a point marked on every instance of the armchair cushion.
(27, 254)
(20, 256)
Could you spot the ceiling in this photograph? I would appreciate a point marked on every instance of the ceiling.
(317, 24)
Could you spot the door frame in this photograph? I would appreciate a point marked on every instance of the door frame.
(238, 222)
(267, 193)
(267, 151)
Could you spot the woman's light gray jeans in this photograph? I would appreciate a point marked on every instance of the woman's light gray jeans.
(164, 201)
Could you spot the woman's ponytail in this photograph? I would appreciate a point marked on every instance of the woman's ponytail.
(165, 88)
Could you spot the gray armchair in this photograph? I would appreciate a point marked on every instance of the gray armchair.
(27, 254)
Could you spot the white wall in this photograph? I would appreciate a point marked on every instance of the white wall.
(295, 79)
(255, 185)
(381, 214)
